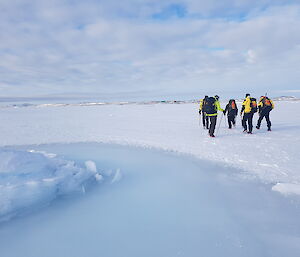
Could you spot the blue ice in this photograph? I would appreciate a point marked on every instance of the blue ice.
(161, 205)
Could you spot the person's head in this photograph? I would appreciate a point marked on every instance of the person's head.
(247, 95)
(231, 100)
(206, 96)
(217, 97)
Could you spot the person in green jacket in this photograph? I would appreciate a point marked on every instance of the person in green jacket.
(212, 108)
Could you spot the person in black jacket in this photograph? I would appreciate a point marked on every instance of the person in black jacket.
(202, 109)
(232, 111)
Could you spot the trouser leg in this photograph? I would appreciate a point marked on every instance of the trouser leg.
(203, 119)
(250, 123)
(212, 126)
(268, 120)
(244, 121)
(261, 116)
(207, 121)
(230, 121)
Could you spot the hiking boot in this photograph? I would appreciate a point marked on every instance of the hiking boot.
(212, 135)
(249, 132)
(257, 127)
(269, 129)
(245, 130)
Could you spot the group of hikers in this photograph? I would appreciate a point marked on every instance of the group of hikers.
(209, 107)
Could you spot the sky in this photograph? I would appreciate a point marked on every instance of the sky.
(157, 47)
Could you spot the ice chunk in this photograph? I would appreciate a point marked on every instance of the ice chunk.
(117, 176)
(90, 165)
(30, 179)
(287, 188)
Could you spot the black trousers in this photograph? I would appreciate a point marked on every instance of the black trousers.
(212, 126)
(247, 118)
(264, 114)
(231, 120)
(205, 120)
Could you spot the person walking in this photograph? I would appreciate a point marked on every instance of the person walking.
(265, 106)
(232, 111)
(202, 110)
(249, 107)
(212, 108)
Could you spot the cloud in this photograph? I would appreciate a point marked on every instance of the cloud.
(95, 46)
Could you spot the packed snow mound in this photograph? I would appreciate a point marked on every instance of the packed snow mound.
(30, 179)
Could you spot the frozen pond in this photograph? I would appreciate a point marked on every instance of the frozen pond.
(163, 205)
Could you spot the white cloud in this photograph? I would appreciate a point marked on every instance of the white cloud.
(52, 47)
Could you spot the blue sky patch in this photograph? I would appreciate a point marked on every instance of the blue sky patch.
(171, 11)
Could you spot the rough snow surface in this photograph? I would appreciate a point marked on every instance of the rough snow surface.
(33, 179)
(272, 157)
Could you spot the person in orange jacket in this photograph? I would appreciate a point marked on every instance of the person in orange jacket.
(265, 106)
(232, 112)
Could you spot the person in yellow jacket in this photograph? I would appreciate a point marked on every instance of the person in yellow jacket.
(265, 105)
(248, 108)
(212, 108)
(202, 110)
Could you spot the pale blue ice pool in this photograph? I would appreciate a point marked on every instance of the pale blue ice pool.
(165, 205)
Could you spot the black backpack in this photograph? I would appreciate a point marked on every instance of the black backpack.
(210, 107)
(253, 104)
(204, 104)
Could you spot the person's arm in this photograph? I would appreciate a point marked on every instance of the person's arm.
(218, 106)
(226, 109)
(272, 103)
(243, 108)
(260, 105)
(200, 106)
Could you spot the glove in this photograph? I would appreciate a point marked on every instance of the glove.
(241, 113)
(199, 111)
(224, 112)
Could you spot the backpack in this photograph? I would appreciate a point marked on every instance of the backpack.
(266, 101)
(232, 105)
(210, 107)
(232, 108)
(204, 103)
(253, 104)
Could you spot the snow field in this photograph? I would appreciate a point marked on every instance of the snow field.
(207, 206)
(29, 179)
(273, 157)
